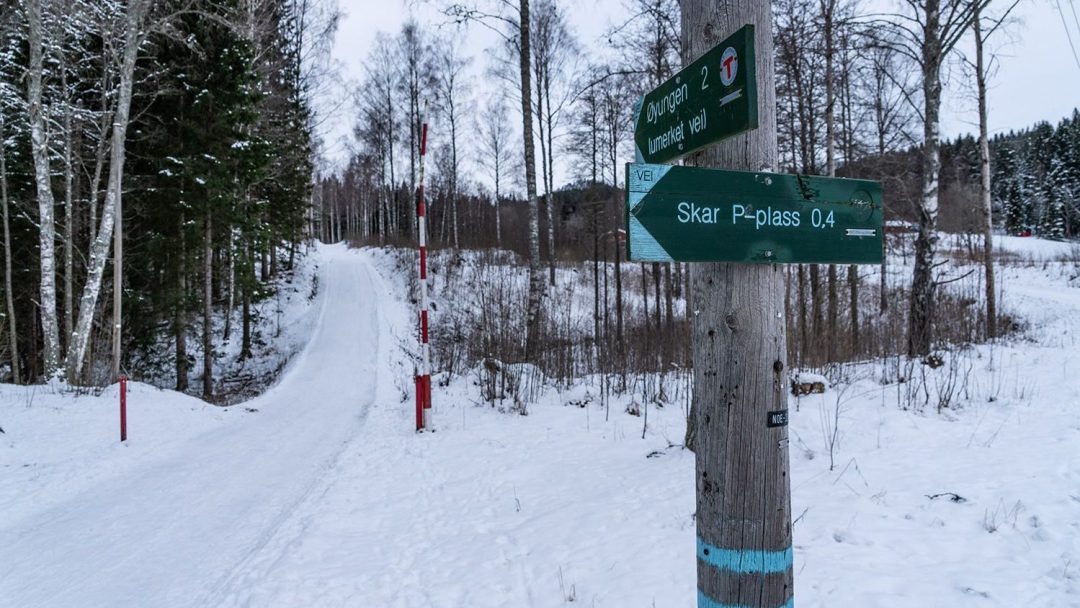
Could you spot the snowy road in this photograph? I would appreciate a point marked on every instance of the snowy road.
(177, 531)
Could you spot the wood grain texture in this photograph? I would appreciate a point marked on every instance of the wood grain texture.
(740, 368)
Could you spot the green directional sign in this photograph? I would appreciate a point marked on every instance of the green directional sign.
(690, 214)
(712, 98)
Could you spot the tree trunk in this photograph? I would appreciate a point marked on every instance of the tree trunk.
(536, 278)
(550, 178)
(245, 297)
(180, 312)
(984, 180)
(69, 215)
(923, 286)
(9, 296)
(743, 488)
(834, 313)
(498, 223)
(549, 202)
(208, 311)
(538, 77)
(816, 312)
(804, 334)
(46, 204)
(669, 306)
(827, 12)
(414, 147)
(619, 341)
(100, 153)
(645, 297)
(853, 285)
(596, 276)
(883, 295)
(454, 179)
(118, 283)
(677, 283)
(111, 210)
(230, 268)
(656, 296)
(605, 308)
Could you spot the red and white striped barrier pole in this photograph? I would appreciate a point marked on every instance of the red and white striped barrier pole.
(123, 408)
(423, 380)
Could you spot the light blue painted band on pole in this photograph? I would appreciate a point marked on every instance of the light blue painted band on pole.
(745, 561)
(704, 601)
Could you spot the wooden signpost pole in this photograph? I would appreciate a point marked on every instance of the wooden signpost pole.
(744, 554)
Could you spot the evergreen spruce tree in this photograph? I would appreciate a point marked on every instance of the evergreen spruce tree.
(1066, 170)
(1009, 197)
(1038, 150)
(201, 159)
(1052, 225)
(1056, 190)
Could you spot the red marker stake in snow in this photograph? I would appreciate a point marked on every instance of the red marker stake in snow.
(123, 408)
(423, 380)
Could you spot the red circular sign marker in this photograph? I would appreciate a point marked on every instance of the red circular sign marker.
(729, 66)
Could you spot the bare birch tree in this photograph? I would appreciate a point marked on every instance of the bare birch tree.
(928, 31)
(39, 142)
(982, 73)
(453, 88)
(536, 280)
(828, 19)
(415, 85)
(133, 32)
(554, 48)
(377, 127)
(495, 154)
(886, 93)
(514, 28)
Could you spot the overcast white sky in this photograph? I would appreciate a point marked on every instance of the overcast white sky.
(363, 19)
(1038, 77)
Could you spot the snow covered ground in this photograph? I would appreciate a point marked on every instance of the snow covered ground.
(318, 493)
(281, 326)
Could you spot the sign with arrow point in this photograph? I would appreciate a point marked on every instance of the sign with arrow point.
(691, 214)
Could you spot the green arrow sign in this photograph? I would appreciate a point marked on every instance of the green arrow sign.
(689, 214)
(712, 98)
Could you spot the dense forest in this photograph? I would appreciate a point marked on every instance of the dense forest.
(193, 119)
(171, 144)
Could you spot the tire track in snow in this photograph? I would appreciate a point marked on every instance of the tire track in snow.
(181, 531)
(282, 534)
